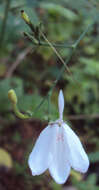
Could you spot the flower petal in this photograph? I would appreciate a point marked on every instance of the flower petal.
(59, 166)
(39, 158)
(61, 104)
(76, 155)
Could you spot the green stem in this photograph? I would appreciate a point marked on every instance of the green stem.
(55, 51)
(19, 114)
(63, 67)
(3, 28)
(54, 83)
(41, 43)
(61, 73)
(56, 45)
(82, 35)
(39, 105)
(72, 47)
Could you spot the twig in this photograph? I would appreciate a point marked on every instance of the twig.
(29, 23)
(56, 45)
(54, 83)
(83, 34)
(63, 68)
(20, 57)
(42, 43)
(55, 51)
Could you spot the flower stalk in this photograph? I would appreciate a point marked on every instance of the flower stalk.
(35, 38)
(36, 31)
(13, 99)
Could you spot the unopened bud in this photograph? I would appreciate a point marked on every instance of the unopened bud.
(25, 17)
(12, 96)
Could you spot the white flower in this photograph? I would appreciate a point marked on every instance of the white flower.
(58, 149)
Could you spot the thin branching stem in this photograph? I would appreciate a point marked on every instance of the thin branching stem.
(56, 45)
(55, 51)
(54, 84)
(42, 43)
(72, 49)
(82, 35)
(63, 67)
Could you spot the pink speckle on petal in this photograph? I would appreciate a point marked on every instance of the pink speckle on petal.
(60, 137)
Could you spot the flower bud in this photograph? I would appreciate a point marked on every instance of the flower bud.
(12, 96)
(25, 17)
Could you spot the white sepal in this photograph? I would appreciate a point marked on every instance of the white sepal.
(61, 104)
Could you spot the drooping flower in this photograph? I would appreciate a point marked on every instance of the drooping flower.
(58, 149)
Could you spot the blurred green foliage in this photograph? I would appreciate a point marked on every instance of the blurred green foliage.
(63, 23)
(89, 184)
(5, 159)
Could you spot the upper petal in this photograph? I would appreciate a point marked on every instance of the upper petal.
(59, 166)
(39, 158)
(61, 104)
(77, 157)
